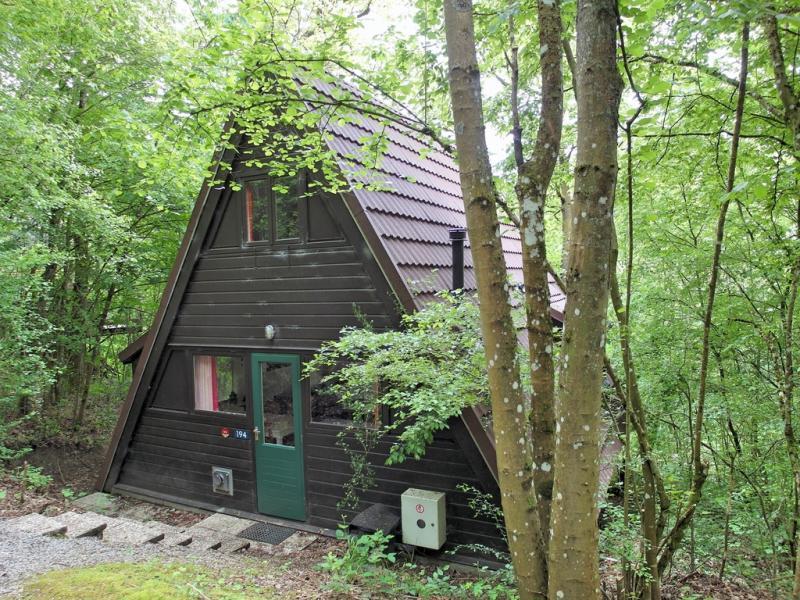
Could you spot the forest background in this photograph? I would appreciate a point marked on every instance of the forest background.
(110, 112)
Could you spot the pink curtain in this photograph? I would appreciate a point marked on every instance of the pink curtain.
(206, 396)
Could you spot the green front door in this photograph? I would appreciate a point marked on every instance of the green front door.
(278, 435)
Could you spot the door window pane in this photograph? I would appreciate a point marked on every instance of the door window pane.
(220, 384)
(285, 191)
(276, 394)
(258, 211)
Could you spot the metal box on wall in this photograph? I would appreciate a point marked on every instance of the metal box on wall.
(423, 518)
(222, 480)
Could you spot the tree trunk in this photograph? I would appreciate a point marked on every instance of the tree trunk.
(789, 99)
(700, 468)
(786, 402)
(499, 335)
(786, 92)
(574, 559)
(533, 181)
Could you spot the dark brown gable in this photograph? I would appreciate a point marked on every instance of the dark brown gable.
(156, 338)
(223, 292)
(308, 292)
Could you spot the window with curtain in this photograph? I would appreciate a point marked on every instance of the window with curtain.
(220, 384)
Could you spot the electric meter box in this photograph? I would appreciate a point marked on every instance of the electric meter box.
(222, 480)
(423, 518)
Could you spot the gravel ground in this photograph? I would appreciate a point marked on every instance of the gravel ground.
(23, 555)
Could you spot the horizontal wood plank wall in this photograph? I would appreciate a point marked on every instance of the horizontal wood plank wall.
(309, 292)
(442, 469)
(309, 298)
(172, 453)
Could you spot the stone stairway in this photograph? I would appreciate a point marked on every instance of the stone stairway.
(216, 533)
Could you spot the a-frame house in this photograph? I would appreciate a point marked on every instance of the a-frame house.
(263, 277)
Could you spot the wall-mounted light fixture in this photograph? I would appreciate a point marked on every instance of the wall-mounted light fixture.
(269, 332)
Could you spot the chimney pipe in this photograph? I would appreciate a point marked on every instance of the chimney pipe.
(457, 236)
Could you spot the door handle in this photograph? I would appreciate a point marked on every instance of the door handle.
(256, 431)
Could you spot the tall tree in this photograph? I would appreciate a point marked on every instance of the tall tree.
(533, 180)
(574, 557)
(790, 100)
(514, 452)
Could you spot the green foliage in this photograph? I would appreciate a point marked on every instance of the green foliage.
(424, 373)
(32, 478)
(361, 551)
(367, 565)
(147, 581)
(485, 507)
(94, 200)
(421, 375)
(623, 541)
(357, 441)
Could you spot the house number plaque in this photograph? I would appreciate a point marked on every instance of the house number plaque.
(237, 434)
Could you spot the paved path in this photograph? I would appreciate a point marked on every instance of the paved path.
(36, 543)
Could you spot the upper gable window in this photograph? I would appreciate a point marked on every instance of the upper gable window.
(271, 207)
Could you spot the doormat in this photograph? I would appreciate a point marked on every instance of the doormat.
(267, 533)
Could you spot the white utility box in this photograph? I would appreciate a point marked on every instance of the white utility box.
(423, 518)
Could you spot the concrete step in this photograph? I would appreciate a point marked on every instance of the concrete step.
(36, 524)
(127, 532)
(173, 536)
(296, 542)
(223, 524)
(204, 540)
(83, 524)
(179, 538)
(234, 544)
(218, 532)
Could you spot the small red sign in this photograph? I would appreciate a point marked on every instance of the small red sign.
(420, 508)
(225, 432)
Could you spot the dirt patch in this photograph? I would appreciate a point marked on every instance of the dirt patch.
(711, 587)
(71, 467)
(311, 554)
(143, 511)
(48, 478)
(73, 473)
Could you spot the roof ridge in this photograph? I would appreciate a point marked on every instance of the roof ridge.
(406, 130)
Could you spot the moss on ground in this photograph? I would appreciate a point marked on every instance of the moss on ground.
(144, 581)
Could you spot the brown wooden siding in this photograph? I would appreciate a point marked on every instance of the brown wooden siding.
(442, 469)
(172, 453)
(309, 292)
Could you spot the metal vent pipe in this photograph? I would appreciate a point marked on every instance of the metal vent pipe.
(457, 237)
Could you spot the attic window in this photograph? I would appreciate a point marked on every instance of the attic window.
(220, 384)
(271, 207)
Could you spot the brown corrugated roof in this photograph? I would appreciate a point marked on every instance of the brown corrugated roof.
(411, 195)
